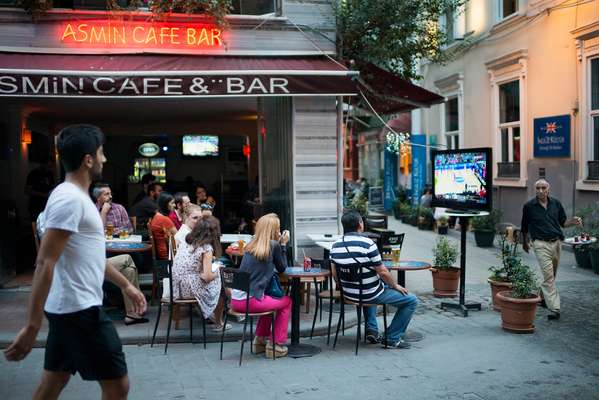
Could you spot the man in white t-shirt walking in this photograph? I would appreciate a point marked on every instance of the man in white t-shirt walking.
(67, 285)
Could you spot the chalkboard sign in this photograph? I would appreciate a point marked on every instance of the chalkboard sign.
(375, 196)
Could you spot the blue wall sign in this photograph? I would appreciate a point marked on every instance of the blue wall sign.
(390, 181)
(552, 136)
(418, 166)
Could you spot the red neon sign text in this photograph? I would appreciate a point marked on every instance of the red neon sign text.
(126, 34)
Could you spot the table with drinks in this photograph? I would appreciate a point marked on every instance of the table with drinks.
(297, 274)
(119, 241)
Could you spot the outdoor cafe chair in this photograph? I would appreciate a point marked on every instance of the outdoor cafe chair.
(356, 275)
(233, 278)
(330, 294)
(388, 242)
(163, 269)
(375, 221)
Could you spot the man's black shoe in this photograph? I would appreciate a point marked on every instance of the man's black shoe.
(553, 316)
(400, 344)
(373, 337)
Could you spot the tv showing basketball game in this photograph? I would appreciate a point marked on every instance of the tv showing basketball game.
(199, 146)
(462, 179)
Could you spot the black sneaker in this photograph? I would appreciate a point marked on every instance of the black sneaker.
(553, 316)
(373, 337)
(400, 344)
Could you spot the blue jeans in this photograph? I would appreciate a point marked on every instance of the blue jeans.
(406, 305)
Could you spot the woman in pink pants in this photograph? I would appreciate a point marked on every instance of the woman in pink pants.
(264, 255)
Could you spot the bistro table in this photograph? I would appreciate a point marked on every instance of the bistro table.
(233, 237)
(125, 247)
(401, 268)
(297, 275)
(319, 237)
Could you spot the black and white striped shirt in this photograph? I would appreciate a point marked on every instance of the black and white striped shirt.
(355, 251)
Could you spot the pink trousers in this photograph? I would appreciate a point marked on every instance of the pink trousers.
(267, 303)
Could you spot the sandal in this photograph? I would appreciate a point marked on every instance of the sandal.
(135, 320)
(218, 328)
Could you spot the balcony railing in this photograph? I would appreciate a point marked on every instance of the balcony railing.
(508, 170)
(593, 170)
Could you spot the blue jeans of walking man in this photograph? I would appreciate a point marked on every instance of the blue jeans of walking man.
(405, 304)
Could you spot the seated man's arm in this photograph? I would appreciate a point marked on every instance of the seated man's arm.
(386, 276)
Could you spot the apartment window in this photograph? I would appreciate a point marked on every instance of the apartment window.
(507, 8)
(452, 124)
(509, 129)
(593, 162)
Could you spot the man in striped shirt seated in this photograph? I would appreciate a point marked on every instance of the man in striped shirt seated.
(355, 252)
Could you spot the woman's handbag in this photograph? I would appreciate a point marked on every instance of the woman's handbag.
(274, 288)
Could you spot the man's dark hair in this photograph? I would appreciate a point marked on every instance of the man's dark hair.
(163, 201)
(179, 197)
(147, 178)
(152, 187)
(75, 141)
(351, 221)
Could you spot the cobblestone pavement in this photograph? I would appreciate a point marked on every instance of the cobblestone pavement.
(459, 358)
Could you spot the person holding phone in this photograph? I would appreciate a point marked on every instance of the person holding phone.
(266, 253)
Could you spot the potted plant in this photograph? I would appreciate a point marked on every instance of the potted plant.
(405, 210)
(425, 218)
(446, 277)
(414, 216)
(519, 305)
(397, 209)
(442, 225)
(501, 277)
(360, 204)
(484, 228)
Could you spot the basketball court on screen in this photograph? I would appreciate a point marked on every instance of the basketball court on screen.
(457, 181)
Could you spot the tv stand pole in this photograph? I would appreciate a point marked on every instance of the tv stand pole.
(464, 222)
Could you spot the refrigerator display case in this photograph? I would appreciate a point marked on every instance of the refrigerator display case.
(155, 165)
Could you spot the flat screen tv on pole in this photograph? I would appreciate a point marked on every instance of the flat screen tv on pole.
(462, 179)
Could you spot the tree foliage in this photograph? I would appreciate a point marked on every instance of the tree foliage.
(393, 34)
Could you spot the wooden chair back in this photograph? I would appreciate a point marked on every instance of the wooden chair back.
(152, 241)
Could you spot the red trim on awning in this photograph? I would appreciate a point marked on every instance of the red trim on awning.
(142, 62)
(389, 93)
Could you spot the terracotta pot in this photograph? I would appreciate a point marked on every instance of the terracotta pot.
(445, 282)
(518, 315)
(496, 287)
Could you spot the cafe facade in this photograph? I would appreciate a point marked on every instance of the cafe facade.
(270, 91)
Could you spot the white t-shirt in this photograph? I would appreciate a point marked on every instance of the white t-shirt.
(181, 234)
(79, 272)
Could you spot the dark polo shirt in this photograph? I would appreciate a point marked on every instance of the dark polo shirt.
(543, 223)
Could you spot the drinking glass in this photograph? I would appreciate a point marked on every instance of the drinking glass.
(109, 231)
(395, 252)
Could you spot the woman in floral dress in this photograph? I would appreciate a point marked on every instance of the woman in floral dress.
(193, 275)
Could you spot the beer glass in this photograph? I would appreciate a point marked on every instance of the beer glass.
(109, 231)
(395, 252)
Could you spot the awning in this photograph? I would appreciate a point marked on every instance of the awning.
(389, 93)
(160, 76)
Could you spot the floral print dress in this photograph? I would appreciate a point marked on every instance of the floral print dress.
(187, 282)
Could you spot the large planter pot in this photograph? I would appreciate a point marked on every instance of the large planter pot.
(414, 221)
(405, 219)
(518, 315)
(396, 213)
(594, 256)
(445, 282)
(442, 229)
(583, 257)
(484, 238)
(496, 287)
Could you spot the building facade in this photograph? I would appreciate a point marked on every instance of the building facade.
(524, 81)
(267, 84)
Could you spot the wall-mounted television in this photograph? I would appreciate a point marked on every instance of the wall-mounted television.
(200, 146)
(462, 179)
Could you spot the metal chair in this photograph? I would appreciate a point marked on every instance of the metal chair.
(330, 294)
(355, 274)
(233, 278)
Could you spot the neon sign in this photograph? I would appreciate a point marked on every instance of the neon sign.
(128, 34)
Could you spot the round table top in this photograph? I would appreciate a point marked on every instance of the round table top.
(298, 272)
(455, 213)
(572, 241)
(116, 247)
(407, 265)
